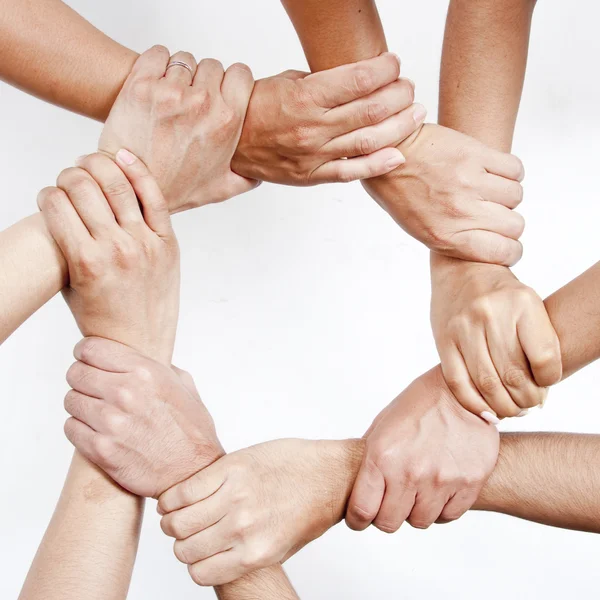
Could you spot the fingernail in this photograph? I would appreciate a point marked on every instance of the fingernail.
(523, 413)
(397, 57)
(490, 417)
(396, 161)
(125, 157)
(419, 113)
(80, 159)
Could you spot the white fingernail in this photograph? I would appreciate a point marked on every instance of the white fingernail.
(523, 412)
(490, 417)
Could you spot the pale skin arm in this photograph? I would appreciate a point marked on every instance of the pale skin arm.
(89, 548)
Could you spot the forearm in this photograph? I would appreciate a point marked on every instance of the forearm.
(483, 67)
(33, 271)
(550, 478)
(337, 32)
(50, 51)
(89, 548)
(266, 584)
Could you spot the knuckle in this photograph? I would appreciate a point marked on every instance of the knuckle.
(361, 514)
(483, 308)
(104, 449)
(199, 577)
(366, 144)
(515, 377)
(141, 90)
(387, 526)
(74, 180)
(169, 98)
(375, 112)
(88, 349)
(257, 556)
(489, 384)
(123, 397)
(143, 374)
(244, 523)
(118, 188)
(419, 522)
(50, 198)
(181, 551)
(362, 80)
(77, 374)
(115, 421)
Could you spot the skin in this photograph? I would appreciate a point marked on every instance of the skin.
(457, 223)
(93, 510)
(506, 370)
(81, 69)
(260, 505)
(123, 264)
(285, 137)
(377, 497)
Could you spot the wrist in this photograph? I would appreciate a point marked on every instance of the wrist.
(342, 460)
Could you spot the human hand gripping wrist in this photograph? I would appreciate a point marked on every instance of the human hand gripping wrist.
(426, 460)
(123, 265)
(258, 506)
(141, 421)
(184, 124)
(299, 127)
(455, 195)
(498, 348)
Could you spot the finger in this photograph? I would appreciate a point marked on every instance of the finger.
(63, 222)
(458, 505)
(503, 164)
(116, 189)
(427, 508)
(236, 89)
(541, 345)
(192, 519)
(397, 504)
(204, 544)
(366, 498)
(372, 109)
(88, 200)
(107, 355)
(461, 385)
(83, 437)
(294, 75)
(151, 64)
(364, 167)
(501, 190)
(349, 82)
(476, 353)
(497, 219)
(209, 75)
(513, 367)
(90, 380)
(85, 409)
(195, 489)
(365, 141)
(219, 569)
(154, 206)
(483, 246)
(176, 73)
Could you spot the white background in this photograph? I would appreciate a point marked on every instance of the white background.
(305, 311)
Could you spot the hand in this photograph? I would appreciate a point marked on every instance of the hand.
(497, 345)
(184, 128)
(123, 266)
(299, 127)
(143, 423)
(426, 460)
(257, 507)
(455, 195)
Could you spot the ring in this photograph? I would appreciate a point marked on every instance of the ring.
(179, 63)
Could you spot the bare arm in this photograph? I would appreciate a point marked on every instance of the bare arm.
(336, 32)
(33, 271)
(68, 62)
(483, 65)
(90, 546)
